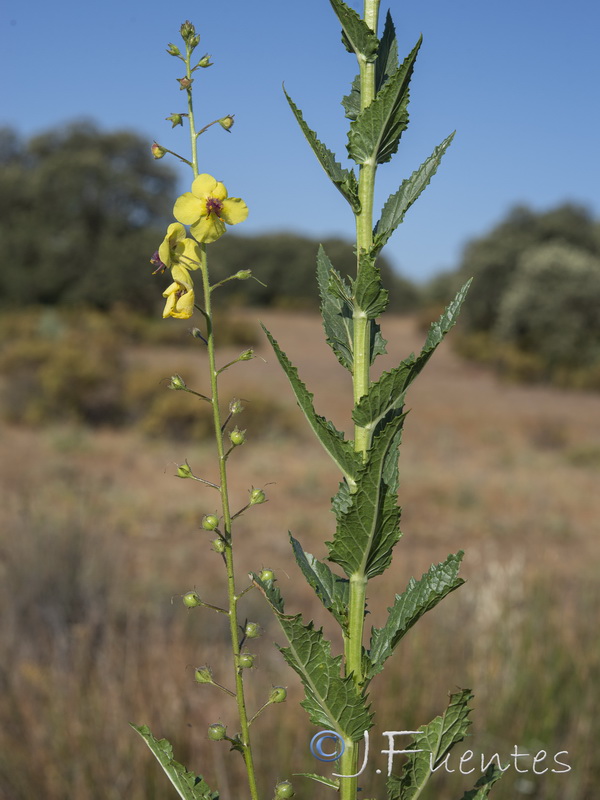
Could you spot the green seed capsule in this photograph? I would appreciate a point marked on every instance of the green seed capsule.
(210, 522)
(284, 790)
(246, 661)
(203, 675)
(278, 694)
(257, 496)
(218, 545)
(217, 732)
(266, 575)
(191, 600)
(252, 630)
(237, 437)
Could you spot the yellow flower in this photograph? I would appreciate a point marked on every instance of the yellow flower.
(207, 208)
(176, 249)
(179, 295)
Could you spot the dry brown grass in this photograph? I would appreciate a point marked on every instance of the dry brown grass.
(98, 535)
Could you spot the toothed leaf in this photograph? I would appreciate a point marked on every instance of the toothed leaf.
(375, 133)
(418, 598)
(398, 204)
(343, 179)
(357, 34)
(336, 310)
(188, 785)
(331, 589)
(483, 787)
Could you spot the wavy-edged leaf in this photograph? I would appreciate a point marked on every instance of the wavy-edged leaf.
(369, 295)
(331, 589)
(398, 204)
(484, 785)
(385, 65)
(367, 532)
(434, 741)
(331, 701)
(388, 393)
(357, 33)
(375, 133)
(188, 785)
(418, 598)
(340, 450)
(336, 310)
(343, 179)
(270, 591)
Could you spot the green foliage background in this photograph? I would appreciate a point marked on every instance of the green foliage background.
(80, 208)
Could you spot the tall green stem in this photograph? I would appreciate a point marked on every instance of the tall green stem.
(361, 381)
(228, 554)
(225, 507)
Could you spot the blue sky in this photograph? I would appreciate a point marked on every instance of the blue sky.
(517, 79)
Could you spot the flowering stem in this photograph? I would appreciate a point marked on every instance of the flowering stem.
(227, 538)
(361, 381)
(190, 102)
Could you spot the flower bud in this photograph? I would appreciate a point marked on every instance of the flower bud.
(191, 600)
(177, 382)
(247, 355)
(173, 50)
(203, 675)
(158, 151)
(205, 61)
(194, 41)
(187, 30)
(246, 661)
(278, 694)
(266, 575)
(237, 437)
(217, 731)
(184, 471)
(226, 122)
(236, 407)
(252, 630)
(284, 790)
(185, 82)
(175, 119)
(243, 274)
(257, 496)
(197, 334)
(210, 522)
(218, 545)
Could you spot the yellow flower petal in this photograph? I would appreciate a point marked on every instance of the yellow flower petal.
(205, 185)
(182, 276)
(208, 229)
(180, 301)
(188, 208)
(234, 210)
(190, 255)
(175, 234)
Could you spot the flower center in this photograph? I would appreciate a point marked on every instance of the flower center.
(213, 206)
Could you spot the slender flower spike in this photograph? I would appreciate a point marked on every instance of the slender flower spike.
(207, 208)
(177, 249)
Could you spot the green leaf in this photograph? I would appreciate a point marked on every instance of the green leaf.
(340, 450)
(398, 204)
(331, 589)
(369, 295)
(484, 785)
(375, 133)
(344, 179)
(333, 784)
(418, 598)
(331, 701)
(367, 532)
(188, 785)
(336, 310)
(434, 741)
(356, 32)
(387, 395)
(385, 65)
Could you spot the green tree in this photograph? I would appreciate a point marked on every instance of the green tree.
(552, 308)
(78, 208)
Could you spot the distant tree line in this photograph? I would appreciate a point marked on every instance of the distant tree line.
(82, 211)
(534, 305)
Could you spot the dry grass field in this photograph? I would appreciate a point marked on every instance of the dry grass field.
(99, 539)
